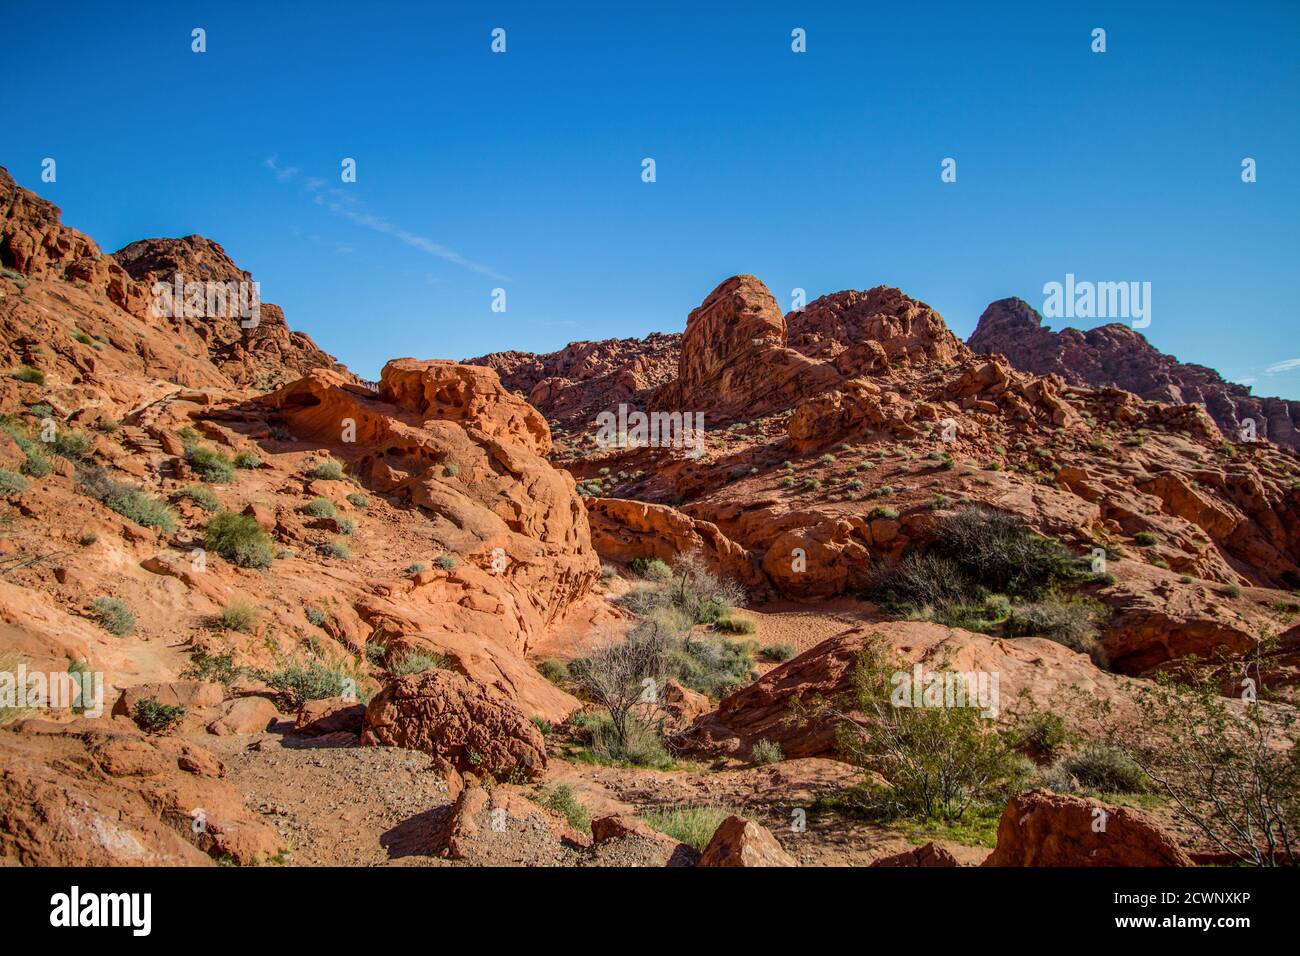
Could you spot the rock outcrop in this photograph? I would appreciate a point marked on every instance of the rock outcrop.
(741, 842)
(1117, 355)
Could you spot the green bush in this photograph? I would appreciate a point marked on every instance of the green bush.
(1146, 539)
(320, 508)
(766, 751)
(113, 615)
(358, 500)
(1042, 734)
(656, 570)
(692, 825)
(143, 510)
(736, 625)
(345, 525)
(73, 444)
(238, 616)
(888, 514)
(239, 540)
(156, 718)
(416, 662)
(452, 470)
(31, 375)
(11, 483)
(554, 670)
(328, 470)
(317, 617)
(777, 653)
(416, 568)
(446, 561)
(205, 665)
(314, 680)
(203, 497)
(337, 548)
(561, 799)
(1072, 621)
(210, 465)
(248, 459)
(1000, 553)
(1104, 768)
(712, 666)
(641, 747)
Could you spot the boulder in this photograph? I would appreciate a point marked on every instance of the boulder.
(330, 715)
(246, 715)
(741, 842)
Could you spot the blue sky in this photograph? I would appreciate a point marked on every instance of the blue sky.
(818, 170)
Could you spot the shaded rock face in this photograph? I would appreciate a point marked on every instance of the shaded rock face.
(448, 717)
(1041, 828)
(1116, 355)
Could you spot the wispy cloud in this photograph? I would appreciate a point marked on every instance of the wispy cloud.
(1277, 368)
(350, 208)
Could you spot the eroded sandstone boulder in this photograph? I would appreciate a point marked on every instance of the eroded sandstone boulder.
(741, 842)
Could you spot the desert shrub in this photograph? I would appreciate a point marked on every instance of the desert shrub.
(940, 761)
(298, 683)
(26, 373)
(358, 500)
(416, 662)
(11, 483)
(280, 433)
(210, 465)
(113, 615)
(854, 485)
(328, 470)
(889, 514)
(826, 459)
(777, 653)
(1000, 553)
(736, 625)
(36, 463)
(87, 538)
(238, 616)
(345, 525)
(1232, 771)
(248, 459)
(922, 579)
(643, 601)
(615, 676)
(692, 825)
(656, 570)
(446, 561)
(712, 666)
(239, 539)
(639, 744)
(766, 751)
(139, 507)
(205, 665)
(73, 444)
(1072, 621)
(700, 594)
(1231, 591)
(320, 508)
(336, 548)
(156, 718)
(82, 337)
(1105, 768)
(561, 799)
(452, 470)
(417, 567)
(203, 497)
(1041, 734)
(316, 616)
(1146, 539)
(554, 670)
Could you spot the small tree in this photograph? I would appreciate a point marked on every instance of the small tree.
(628, 676)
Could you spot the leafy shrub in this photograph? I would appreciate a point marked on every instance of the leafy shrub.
(358, 500)
(1105, 769)
(210, 465)
(316, 616)
(202, 497)
(777, 653)
(248, 459)
(113, 615)
(239, 539)
(561, 799)
(416, 568)
(554, 670)
(416, 662)
(73, 444)
(656, 570)
(238, 616)
(320, 508)
(337, 548)
(143, 510)
(205, 665)
(345, 525)
(1146, 539)
(693, 826)
(1042, 734)
(1072, 621)
(712, 666)
(446, 561)
(328, 470)
(766, 751)
(11, 483)
(639, 745)
(1000, 553)
(156, 718)
(299, 683)
(879, 511)
(736, 625)
(33, 376)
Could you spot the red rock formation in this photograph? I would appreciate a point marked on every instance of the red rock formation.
(1116, 355)
(1041, 828)
(741, 842)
